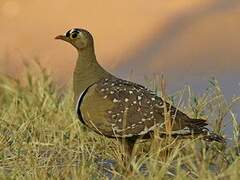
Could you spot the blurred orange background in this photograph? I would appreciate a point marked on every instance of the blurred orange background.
(182, 39)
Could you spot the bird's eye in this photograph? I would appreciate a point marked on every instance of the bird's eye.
(74, 35)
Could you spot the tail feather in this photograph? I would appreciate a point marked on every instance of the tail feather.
(196, 128)
(211, 136)
(204, 134)
(196, 123)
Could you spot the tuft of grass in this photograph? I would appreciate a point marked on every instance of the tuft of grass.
(41, 137)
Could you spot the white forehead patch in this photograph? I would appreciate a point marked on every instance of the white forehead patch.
(72, 30)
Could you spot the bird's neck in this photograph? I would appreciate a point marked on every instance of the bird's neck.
(87, 71)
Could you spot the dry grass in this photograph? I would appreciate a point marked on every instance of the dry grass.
(41, 138)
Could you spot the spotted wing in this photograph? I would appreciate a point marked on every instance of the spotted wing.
(129, 109)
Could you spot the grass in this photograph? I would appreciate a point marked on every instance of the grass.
(41, 138)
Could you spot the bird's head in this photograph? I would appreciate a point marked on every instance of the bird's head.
(79, 38)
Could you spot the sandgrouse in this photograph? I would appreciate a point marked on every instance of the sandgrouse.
(118, 108)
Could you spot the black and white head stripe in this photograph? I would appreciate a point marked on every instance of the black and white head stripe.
(73, 31)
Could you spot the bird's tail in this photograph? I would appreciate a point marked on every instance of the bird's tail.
(211, 136)
(198, 126)
(195, 128)
(207, 136)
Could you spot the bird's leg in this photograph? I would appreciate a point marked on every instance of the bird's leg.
(128, 152)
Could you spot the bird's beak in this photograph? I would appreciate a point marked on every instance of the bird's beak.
(62, 37)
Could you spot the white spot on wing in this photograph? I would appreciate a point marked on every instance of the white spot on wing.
(115, 100)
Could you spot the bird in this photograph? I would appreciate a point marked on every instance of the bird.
(121, 109)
